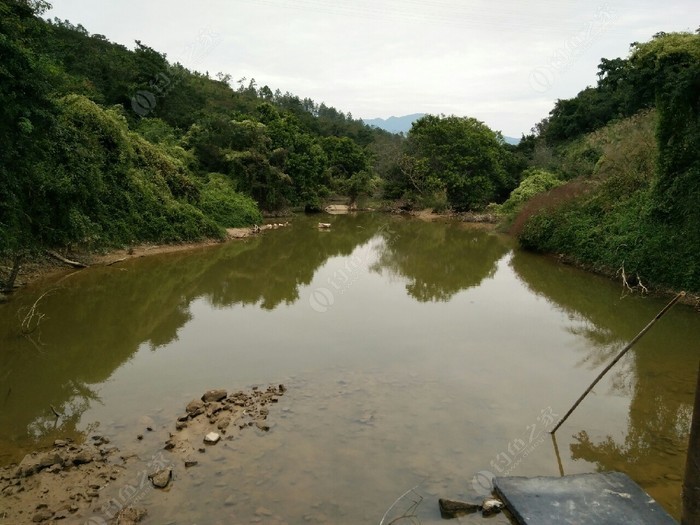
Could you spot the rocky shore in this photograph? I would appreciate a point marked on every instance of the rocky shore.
(98, 483)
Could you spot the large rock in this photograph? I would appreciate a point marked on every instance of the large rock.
(194, 408)
(81, 457)
(33, 463)
(214, 395)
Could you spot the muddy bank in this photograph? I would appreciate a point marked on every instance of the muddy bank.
(46, 266)
(96, 482)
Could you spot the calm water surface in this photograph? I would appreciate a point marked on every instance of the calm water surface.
(416, 355)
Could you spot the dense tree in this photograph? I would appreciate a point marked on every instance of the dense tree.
(463, 154)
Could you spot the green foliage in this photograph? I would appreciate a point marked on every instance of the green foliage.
(534, 181)
(228, 208)
(460, 155)
(84, 162)
(641, 209)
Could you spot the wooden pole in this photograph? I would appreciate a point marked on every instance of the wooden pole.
(619, 356)
(691, 484)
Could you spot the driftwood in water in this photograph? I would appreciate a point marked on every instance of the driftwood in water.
(74, 264)
(116, 261)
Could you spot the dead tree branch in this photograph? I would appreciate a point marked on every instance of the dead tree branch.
(74, 264)
(33, 318)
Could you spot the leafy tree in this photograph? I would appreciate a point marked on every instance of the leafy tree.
(349, 166)
(463, 154)
(26, 118)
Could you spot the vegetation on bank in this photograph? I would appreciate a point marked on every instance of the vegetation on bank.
(630, 203)
(106, 146)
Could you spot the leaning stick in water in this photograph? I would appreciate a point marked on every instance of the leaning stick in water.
(619, 356)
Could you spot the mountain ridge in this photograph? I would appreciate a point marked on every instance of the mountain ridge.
(403, 124)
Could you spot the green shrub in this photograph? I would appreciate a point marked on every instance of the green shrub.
(223, 204)
(534, 181)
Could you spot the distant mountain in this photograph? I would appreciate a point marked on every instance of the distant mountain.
(394, 124)
(403, 125)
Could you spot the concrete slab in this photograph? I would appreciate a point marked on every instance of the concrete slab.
(604, 498)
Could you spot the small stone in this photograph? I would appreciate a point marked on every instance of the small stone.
(180, 425)
(223, 423)
(161, 478)
(190, 463)
(139, 437)
(60, 443)
(214, 395)
(262, 426)
(491, 506)
(262, 511)
(201, 450)
(230, 501)
(212, 438)
(130, 516)
(169, 445)
(183, 418)
(42, 515)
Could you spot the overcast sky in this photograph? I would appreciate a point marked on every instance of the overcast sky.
(504, 63)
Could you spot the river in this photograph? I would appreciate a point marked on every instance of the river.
(416, 354)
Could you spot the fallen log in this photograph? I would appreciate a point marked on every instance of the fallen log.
(74, 264)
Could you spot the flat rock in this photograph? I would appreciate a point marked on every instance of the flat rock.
(214, 395)
(603, 498)
(212, 438)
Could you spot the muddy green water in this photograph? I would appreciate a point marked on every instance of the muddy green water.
(416, 354)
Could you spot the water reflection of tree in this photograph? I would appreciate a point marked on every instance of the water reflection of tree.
(96, 321)
(272, 273)
(659, 378)
(439, 259)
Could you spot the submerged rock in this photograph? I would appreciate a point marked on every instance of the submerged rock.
(130, 516)
(161, 478)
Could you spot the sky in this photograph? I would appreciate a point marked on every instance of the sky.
(504, 63)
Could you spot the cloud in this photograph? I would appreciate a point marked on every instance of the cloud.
(393, 57)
